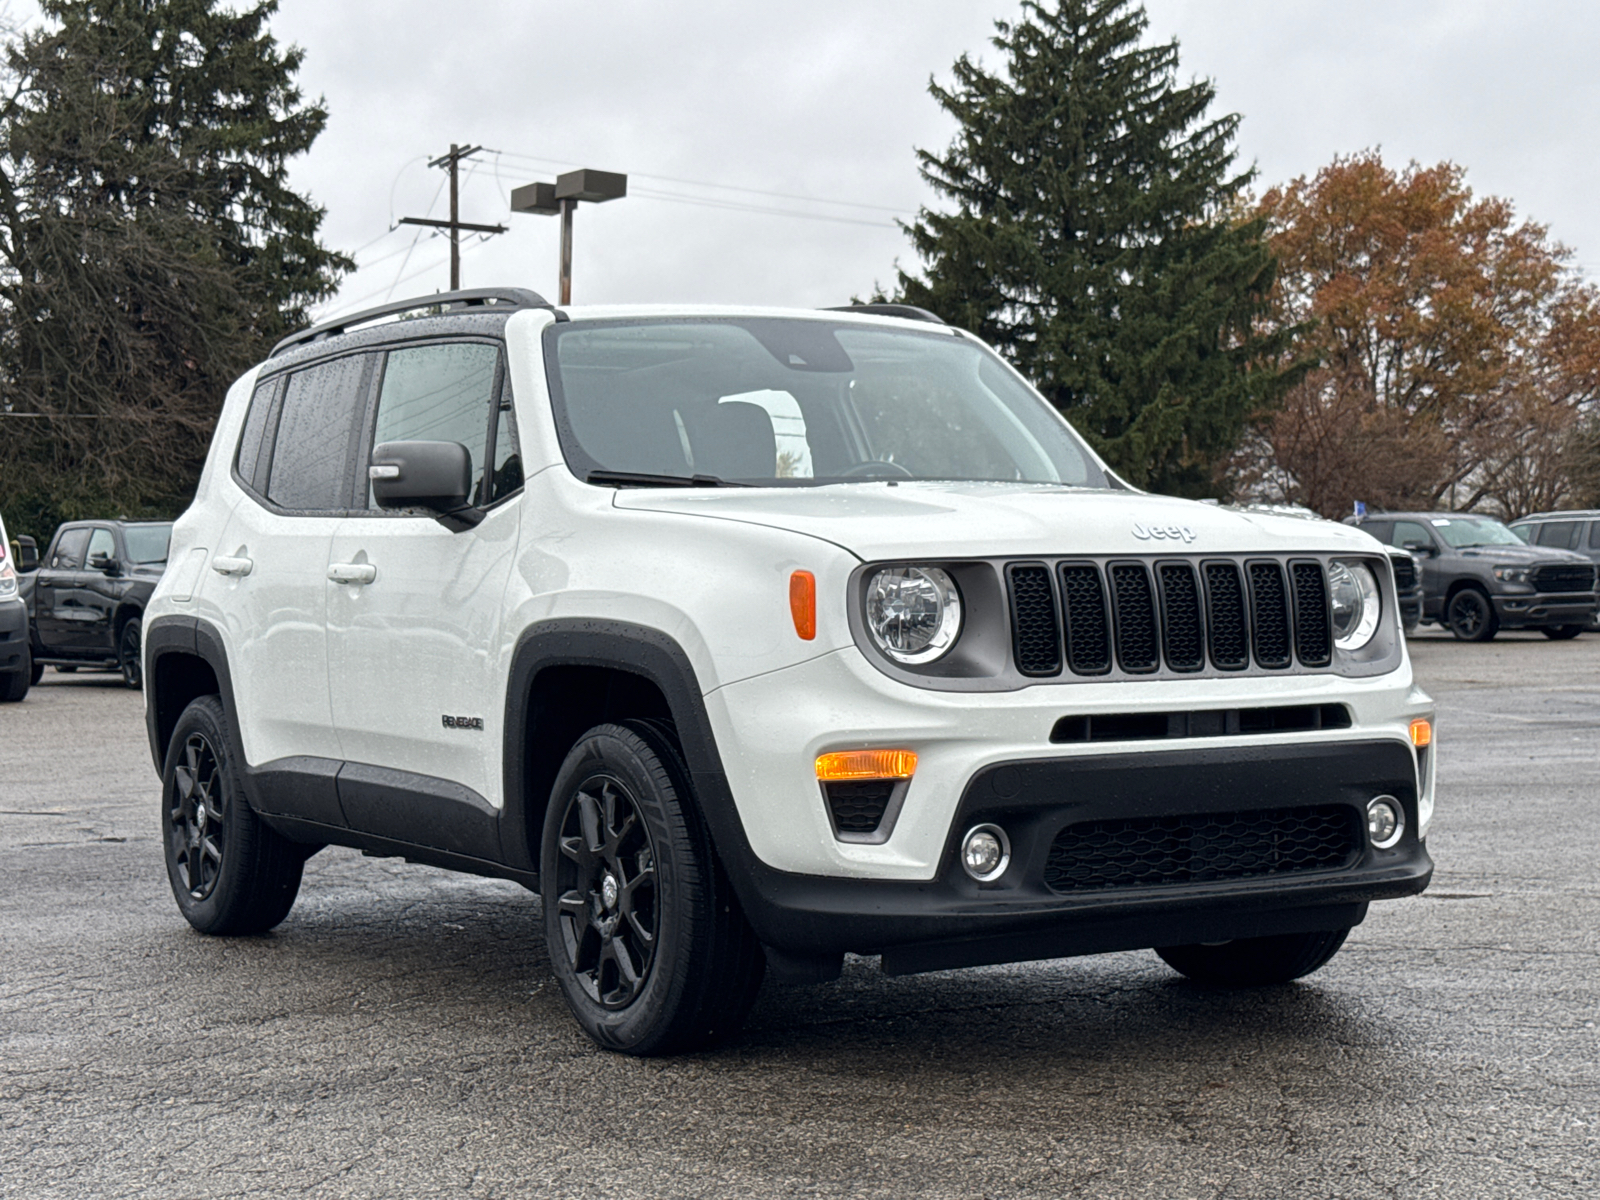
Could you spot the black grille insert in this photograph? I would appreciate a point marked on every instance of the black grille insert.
(1084, 600)
(1136, 618)
(1313, 639)
(1269, 614)
(1230, 631)
(1156, 851)
(1036, 635)
(1405, 573)
(1564, 577)
(1182, 627)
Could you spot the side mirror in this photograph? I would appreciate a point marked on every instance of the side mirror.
(27, 554)
(431, 475)
(1425, 549)
(103, 562)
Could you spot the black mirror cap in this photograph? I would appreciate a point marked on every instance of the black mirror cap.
(431, 475)
(103, 562)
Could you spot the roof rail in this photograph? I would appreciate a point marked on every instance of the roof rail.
(909, 312)
(469, 298)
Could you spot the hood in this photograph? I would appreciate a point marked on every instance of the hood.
(1522, 555)
(1011, 520)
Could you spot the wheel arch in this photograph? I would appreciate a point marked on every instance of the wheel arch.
(184, 659)
(126, 611)
(568, 676)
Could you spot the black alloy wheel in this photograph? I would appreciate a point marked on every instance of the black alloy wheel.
(1471, 617)
(229, 872)
(606, 878)
(130, 651)
(645, 935)
(1561, 633)
(196, 821)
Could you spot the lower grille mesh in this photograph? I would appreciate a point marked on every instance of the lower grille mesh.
(1154, 851)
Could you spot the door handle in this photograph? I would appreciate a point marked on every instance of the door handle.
(352, 572)
(223, 565)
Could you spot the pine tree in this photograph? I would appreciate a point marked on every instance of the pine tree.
(1098, 240)
(151, 248)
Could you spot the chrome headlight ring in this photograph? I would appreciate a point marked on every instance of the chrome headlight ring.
(912, 614)
(1354, 602)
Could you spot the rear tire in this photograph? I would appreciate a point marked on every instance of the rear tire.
(1255, 962)
(1561, 633)
(1471, 617)
(645, 935)
(229, 872)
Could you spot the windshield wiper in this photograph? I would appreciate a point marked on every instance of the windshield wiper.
(642, 479)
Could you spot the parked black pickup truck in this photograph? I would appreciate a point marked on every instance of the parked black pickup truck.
(86, 598)
(1479, 577)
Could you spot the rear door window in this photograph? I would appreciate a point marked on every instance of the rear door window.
(312, 458)
(1560, 535)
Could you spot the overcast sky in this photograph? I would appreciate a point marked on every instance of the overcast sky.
(770, 145)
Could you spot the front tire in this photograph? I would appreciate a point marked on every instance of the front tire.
(130, 653)
(229, 872)
(14, 685)
(645, 936)
(1561, 633)
(1255, 962)
(1471, 616)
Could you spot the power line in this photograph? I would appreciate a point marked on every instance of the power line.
(728, 187)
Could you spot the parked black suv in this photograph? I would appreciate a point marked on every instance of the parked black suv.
(1479, 577)
(86, 600)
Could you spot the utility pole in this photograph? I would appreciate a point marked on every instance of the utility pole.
(452, 162)
(562, 197)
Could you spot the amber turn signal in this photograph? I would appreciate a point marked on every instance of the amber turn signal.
(866, 764)
(1421, 732)
(803, 604)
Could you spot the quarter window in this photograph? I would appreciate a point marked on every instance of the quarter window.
(311, 455)
(255, 431)
(443, 393)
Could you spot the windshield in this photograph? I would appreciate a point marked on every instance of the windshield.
(1461, 532)
(147, 543)
(777, 401)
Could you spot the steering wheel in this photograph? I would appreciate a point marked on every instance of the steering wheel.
(876, 469)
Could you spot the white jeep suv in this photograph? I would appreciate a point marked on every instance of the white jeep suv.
(748, 638)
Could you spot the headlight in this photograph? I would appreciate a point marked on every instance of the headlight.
(1511, 574)
(8, 579)
(913, 613)
(1354, 595)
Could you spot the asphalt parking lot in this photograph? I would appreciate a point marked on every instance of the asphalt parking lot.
(400, 1035)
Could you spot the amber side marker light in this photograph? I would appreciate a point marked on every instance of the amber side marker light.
(803, 604)
(848, 765)
(1421, 732)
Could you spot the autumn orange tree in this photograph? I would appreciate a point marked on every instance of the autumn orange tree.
(1457, 352)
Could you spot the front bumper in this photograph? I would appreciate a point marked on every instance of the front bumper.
(1541, 609)
(952, 921)
(13, 634)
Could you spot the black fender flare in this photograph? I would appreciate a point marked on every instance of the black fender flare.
(179, 634)
(658, 658)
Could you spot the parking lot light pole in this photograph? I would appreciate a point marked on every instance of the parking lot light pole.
(562, 198)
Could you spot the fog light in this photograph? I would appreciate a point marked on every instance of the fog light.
(1386, 821)
(985, 852)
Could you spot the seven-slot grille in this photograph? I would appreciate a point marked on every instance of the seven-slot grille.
(1083, 618)
(1564, 577)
